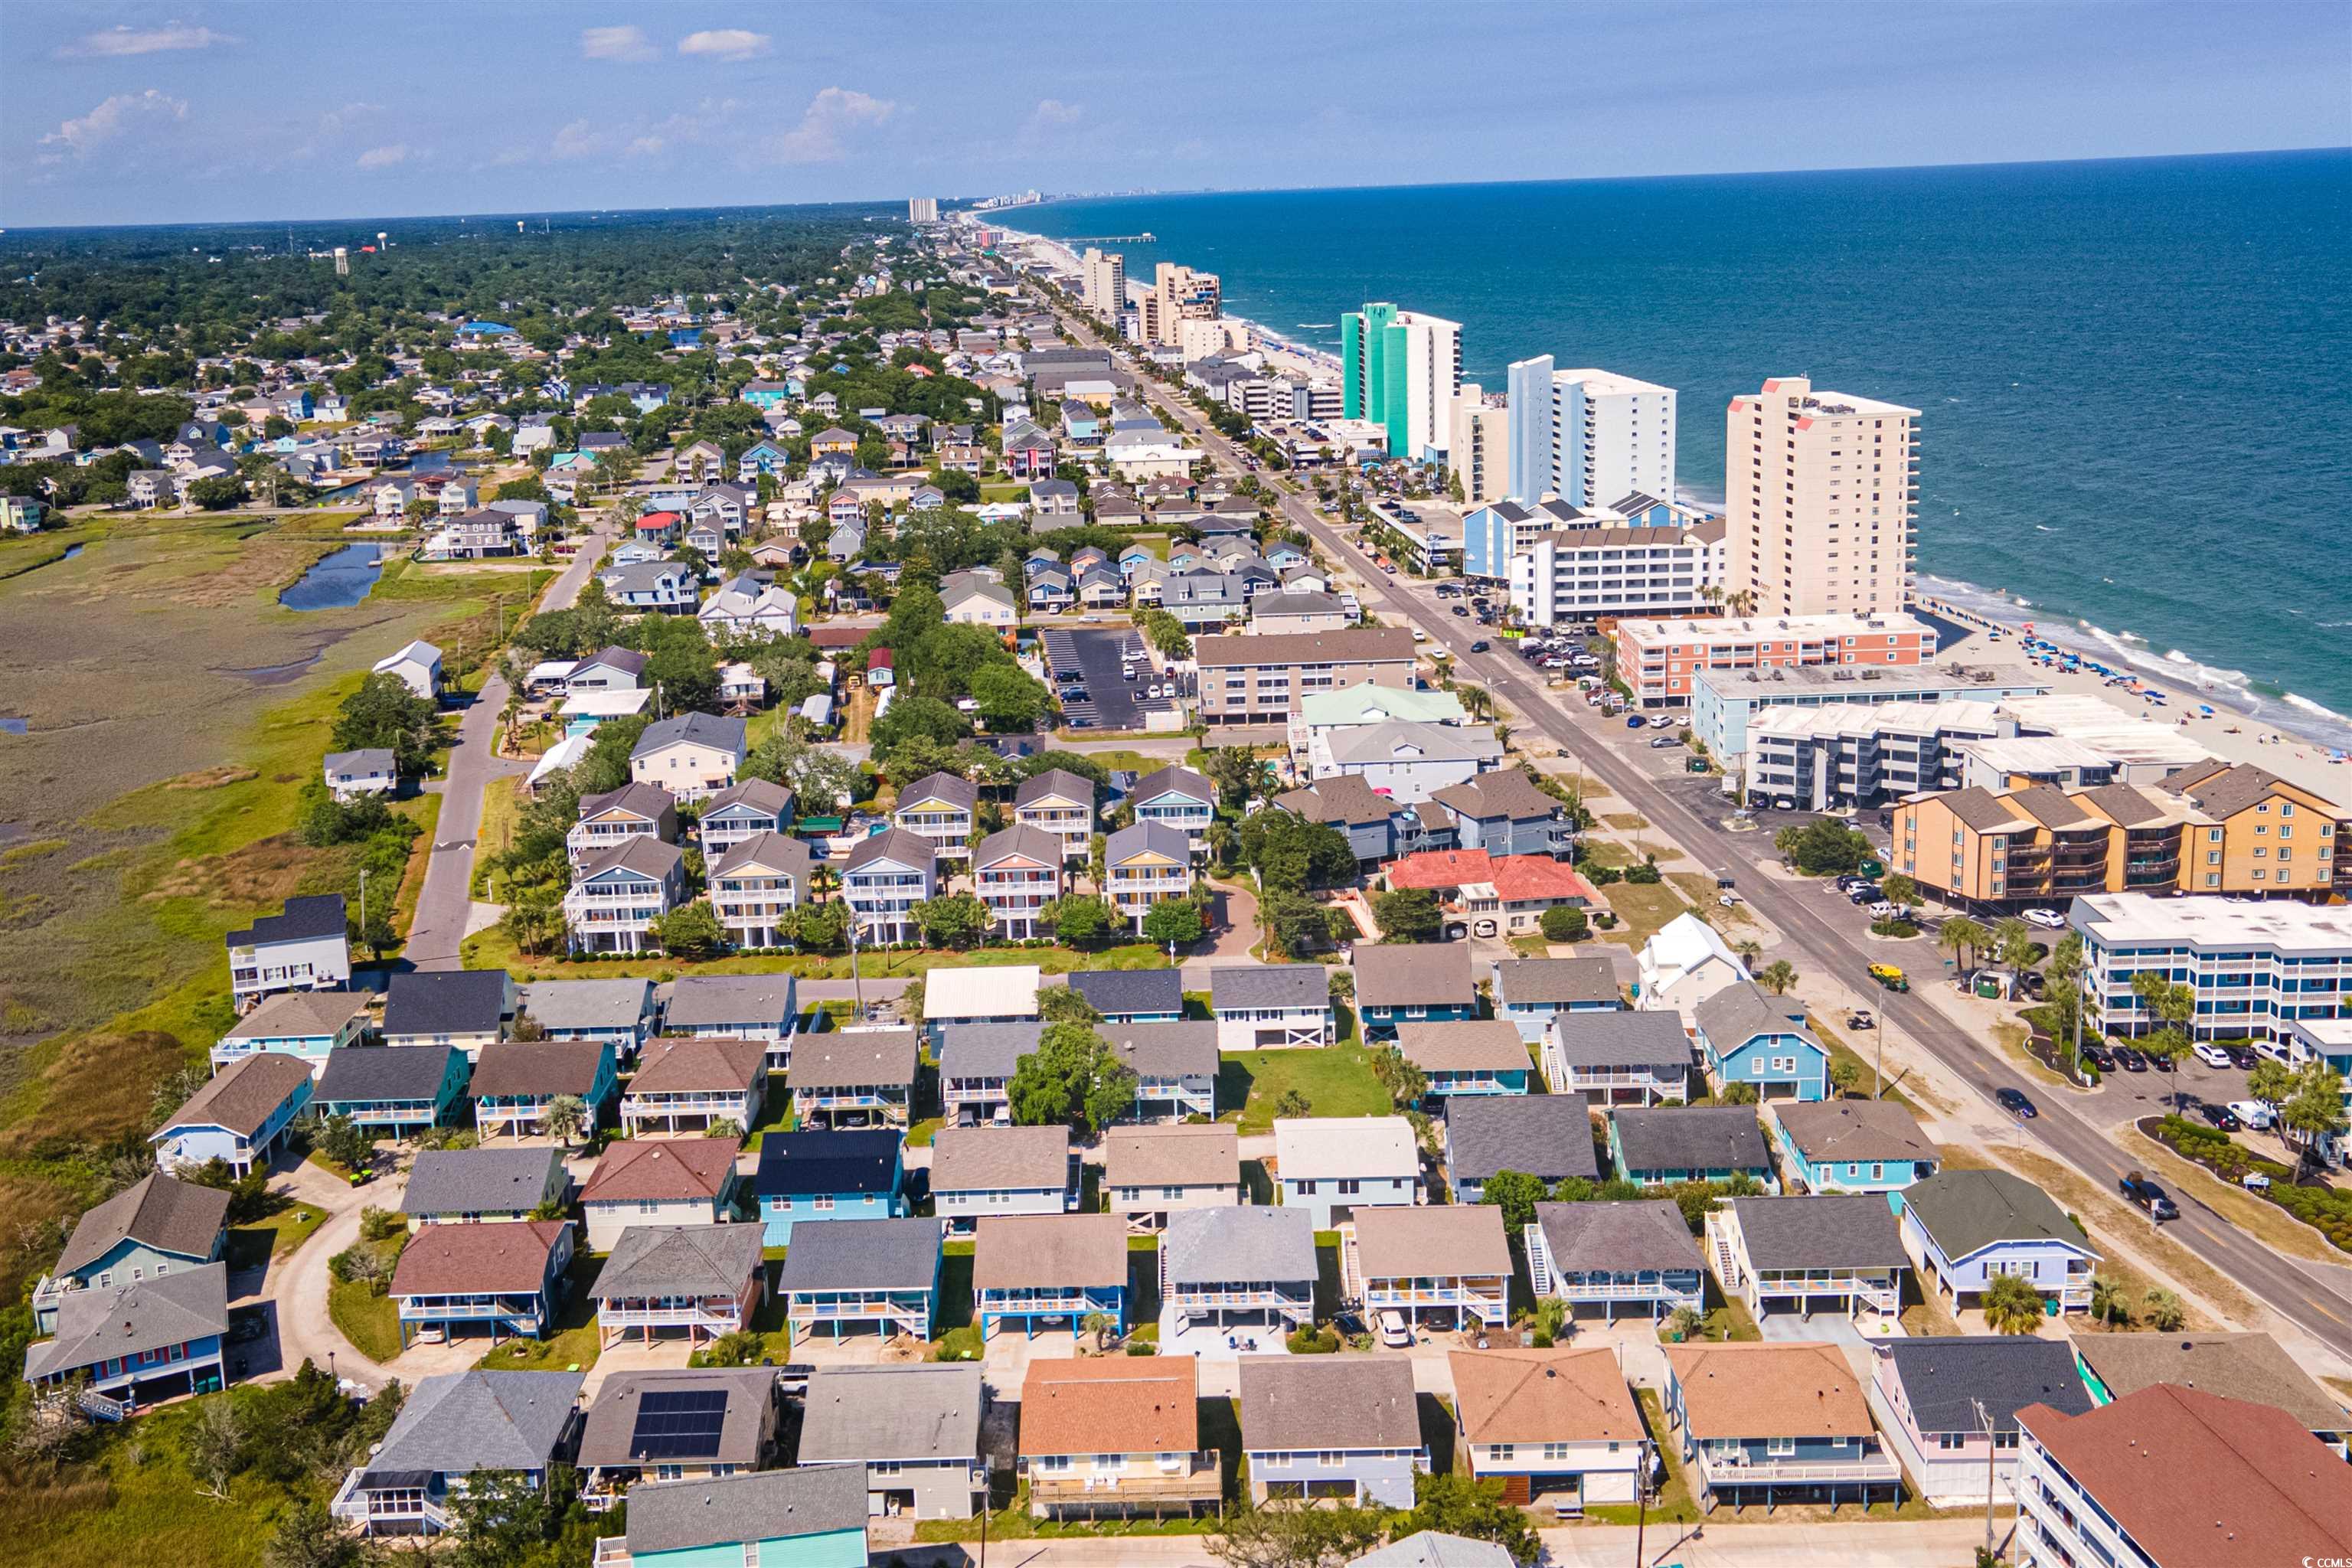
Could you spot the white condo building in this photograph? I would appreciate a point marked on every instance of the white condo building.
(1585, 573)
(1102, 281)
(1819, 489)
(1588, 436)
(2257, 969)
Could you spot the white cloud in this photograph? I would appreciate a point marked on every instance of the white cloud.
(111, 119)
(384, 157)
(1053, 111)
(646, 146)
(725, 43)
(817, 138)
(117, 42)
(628, 44)
(578, 140)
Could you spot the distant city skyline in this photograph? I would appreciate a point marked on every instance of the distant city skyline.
(128, 114)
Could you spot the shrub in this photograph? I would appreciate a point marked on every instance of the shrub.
(1313, 1342)
(381, 1225)
(1646, 875)
(1563, 923)
(1898, 926)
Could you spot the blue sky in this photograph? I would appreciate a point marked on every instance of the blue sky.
(197, 113)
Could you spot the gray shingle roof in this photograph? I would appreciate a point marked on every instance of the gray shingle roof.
(1186, 1050)
(1851, 1129)
(1647, 1233)
(769, 851)
(679, 1261)
(642, 853)
(1018, 841)
(762, 795)
(445, 1002)
(1206, 1246)
(1467, 1044)
(839, 1060)
(986, 1050)
(862, 1254)
(723, 733)
(1828, 1231)
(1269, 985)
(297, 1015)
(607, 1437)
(2249, 1366)
(1622, 1038)
(1016, 1252)
(857, 1415)
(1342, 797)
(721, 1001)
(481, 1181)
(1112, 992)
(1405, 974)
(945, 789)
(536, 1067)
(1690, 1137)
(649, 802)
(1148, 838)
(1293, 1403)
(1559, 980)
(243, 1096)
(562, 1004)
(1434, 1548)
(383, 1072)
(681, 1515)
(1171, 1156)
(1505, 792)
(1057, 782)
(1743, 1010)
(97, 1325)
(300, 920)
(459, 1422)
(1944, 1379)
(1966, 1211)
(1547, 1135)
(893, 844)
(985, 1158)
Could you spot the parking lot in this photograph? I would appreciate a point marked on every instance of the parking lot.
(1111, 702)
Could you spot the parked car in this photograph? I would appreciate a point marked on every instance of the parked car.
(1860, 1020)
(2048, 920)
(2129, 1060)
(2242, 1057)
(2151, 1198)
(1657, 741)
(1885, 910)
(1479, 647)
(2100, 1057)
(2221, 1116)
(2013, 1100)
(2255, 1113)
(1632, 721)
(1393, 1333)
(2212, 1055)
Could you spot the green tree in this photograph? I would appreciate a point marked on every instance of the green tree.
(1845, 1073)
(1515, 1193)
(690, 930)
(1407, 915)
(2163, 1310)
(2272, 1082)
(1065, 1005)
(500, 1520)
(2110, 1303)
(2013, 1304)
(2316, 1110)
(1290, 853)
(2016, 948)
(1291, 1103)
(217, 492)
(1778, 976)
(344, 1140)
(1823, 848)
(1078, 919)
(1900, 890)
(1174, 921)
(566, 1115)
(912, 716)
(1964, 938)
(386, 713)
(1073, 1078)
(1457, 1505)
(1296, 922)
(1295, 1533)
(307, 1536)
(951, 920)
(1564, 922)
(1736, 1092)
(1238, 773)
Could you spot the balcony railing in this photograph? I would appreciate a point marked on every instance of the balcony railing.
(1720, 1472)
(1656, 1290)
(1201, 1481)
(718, 1322)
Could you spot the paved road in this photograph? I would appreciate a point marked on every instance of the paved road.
(1802, 915)
(448, 898)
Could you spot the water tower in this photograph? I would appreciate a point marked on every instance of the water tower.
(342, 262)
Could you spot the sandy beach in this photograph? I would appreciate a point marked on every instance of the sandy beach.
(2229, 733)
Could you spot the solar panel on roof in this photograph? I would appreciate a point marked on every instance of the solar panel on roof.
(679, 1423)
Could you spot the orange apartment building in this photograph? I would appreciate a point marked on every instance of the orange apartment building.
(1658, 659)
(2216, 828)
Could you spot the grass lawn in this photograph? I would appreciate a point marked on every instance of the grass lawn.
(372, 1323)
(501, 802)
(1641, 910)
(491, 949)
(920, 1134)
(2268, 1223)
(2012, 1037)
(782, 1119)
(251, 1246)
(768, 1325)
(1627, 822)
(1337, 1081)
(1532, 945)
(1865, 1061)
(575, 1342)
(1118, 760)
(1605, 852)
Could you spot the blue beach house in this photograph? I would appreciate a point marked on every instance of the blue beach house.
(1776, 1422)
(238, 1117)
(1417, 983)
(393, 1090)
(1532, 992)
(1660, 1146)
(1467, 1056)
(809, 1177)
(1962, 1228)
(1746, 1035)
(1850, 1145)
(1054, 1269)
(806, 1517)
(157, 1227)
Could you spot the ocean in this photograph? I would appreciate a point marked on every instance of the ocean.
(2135, 376)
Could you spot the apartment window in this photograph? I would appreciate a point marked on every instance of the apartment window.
(1503, 1451)
(1779, 1447)
(1329, 1459)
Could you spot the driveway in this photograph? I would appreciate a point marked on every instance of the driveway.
(446, 903)
(1112, 701)
(296, 1288)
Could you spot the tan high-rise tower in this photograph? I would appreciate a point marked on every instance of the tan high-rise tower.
(1819, 489)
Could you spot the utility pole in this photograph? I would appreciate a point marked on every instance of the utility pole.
(1642, 1504)
(857, 987)
(362, 904)
(1993, 1454)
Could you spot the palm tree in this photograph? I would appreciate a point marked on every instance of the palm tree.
(1779, 976)
(566, 1114)
(2108, 1302)
(1749, 951)
(1102, 1325)
(1965, 937)
(2270, 1082)
(1742, 603)
(2014, 944)
(2011, 1304)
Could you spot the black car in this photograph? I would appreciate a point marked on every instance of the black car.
(2242, 1057)
(2221, 1116)
(1479, 646)
(1462, 613)
(2150, 1197)
(2013, 1100)
(2129, 1060)
(2161, 1064)
(2098, 1057)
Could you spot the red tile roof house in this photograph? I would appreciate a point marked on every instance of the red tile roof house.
(2179, 1479)
(506, 1278)
(659, 527)
(1494, 895)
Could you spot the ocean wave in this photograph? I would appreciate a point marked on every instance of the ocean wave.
(2318, 711)
(2043, 528)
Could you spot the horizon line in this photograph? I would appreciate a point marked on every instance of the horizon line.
(8, 231)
